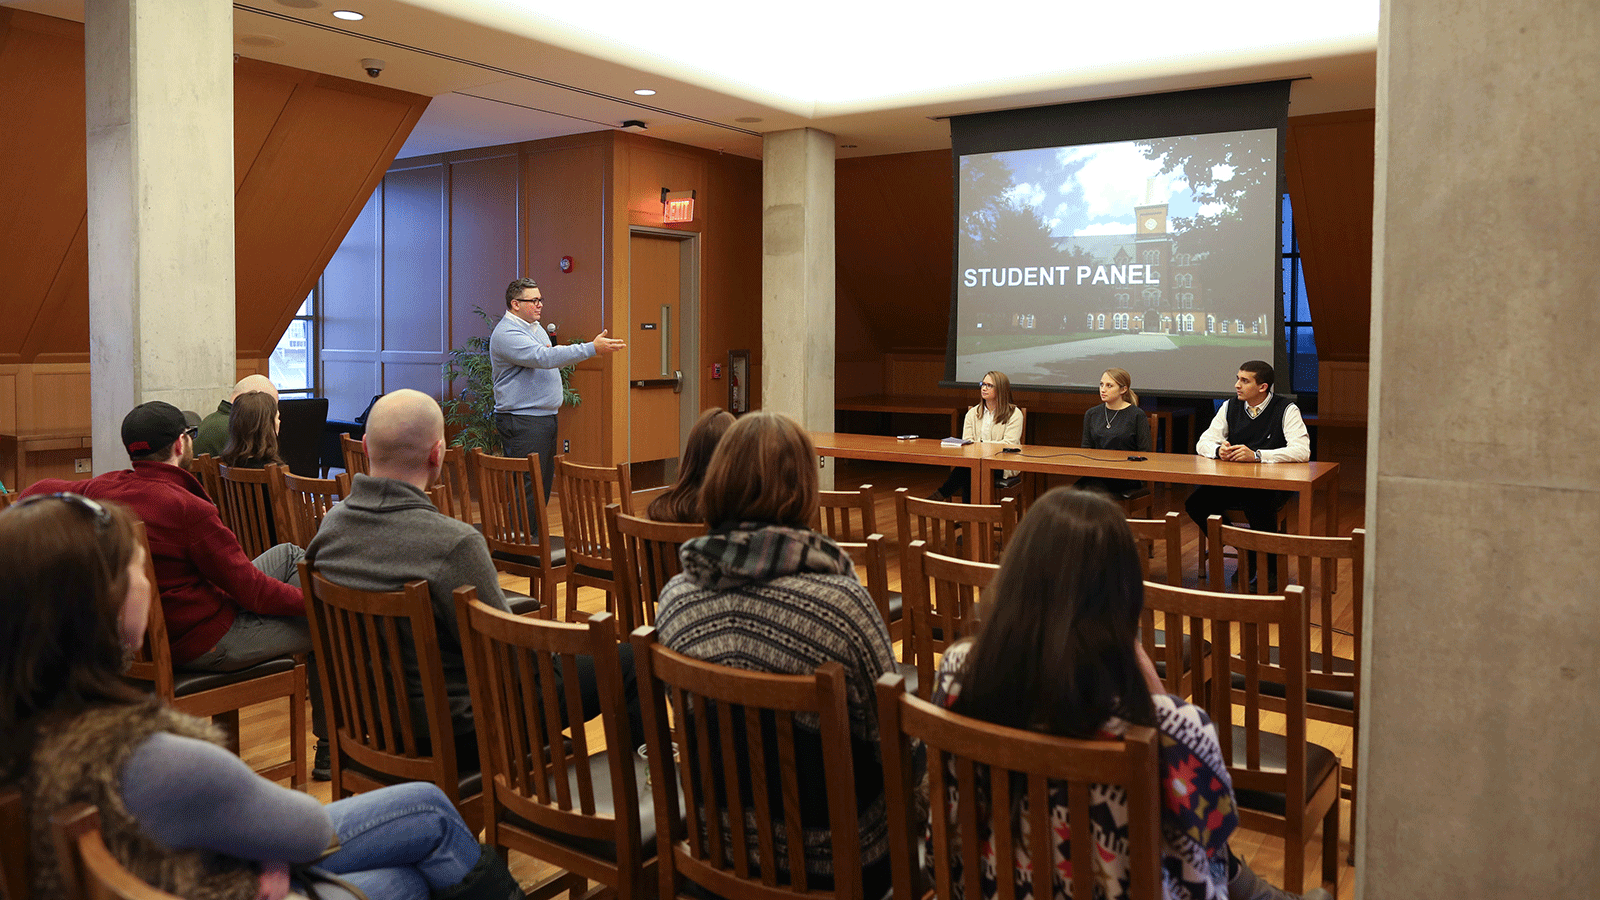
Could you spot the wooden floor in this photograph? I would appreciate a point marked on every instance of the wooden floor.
(264, 727)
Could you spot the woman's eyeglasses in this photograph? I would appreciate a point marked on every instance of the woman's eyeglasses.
(102, 519)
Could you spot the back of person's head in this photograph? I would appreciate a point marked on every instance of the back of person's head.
(403, 429)
(63, 582)
(1056, 649)
(681, 503)
(252, 431)
(764, 470)
(251, 383)
(150, 431)
(1260, 370)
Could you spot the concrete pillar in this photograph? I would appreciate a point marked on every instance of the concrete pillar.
(1481, 711)
(159, 116)
(797, 278)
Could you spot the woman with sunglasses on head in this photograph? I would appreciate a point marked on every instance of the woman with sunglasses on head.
(176, 808)
(1059, 653)
(994, 419)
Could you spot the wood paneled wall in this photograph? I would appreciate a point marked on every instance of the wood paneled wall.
(467, 223)
(308, 150)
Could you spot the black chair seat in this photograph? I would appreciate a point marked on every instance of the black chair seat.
(1274, 756)
(558, 555)
(908, 671)
(521, 605)
(600, 773)
(1334, 699)
(897, 606)
(1137, 493)
(591, 571)
(1183, 648)
(468, 783)
(186, 682)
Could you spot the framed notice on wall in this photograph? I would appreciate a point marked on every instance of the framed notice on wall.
(738, 382)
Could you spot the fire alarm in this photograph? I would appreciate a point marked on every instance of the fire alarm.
(566, 264)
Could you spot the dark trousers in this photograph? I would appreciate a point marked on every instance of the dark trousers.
(1260, 509)
(522, 435)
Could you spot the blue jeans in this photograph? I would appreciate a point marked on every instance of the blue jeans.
(399, 842)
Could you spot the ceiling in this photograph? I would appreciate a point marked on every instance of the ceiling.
(725, 72)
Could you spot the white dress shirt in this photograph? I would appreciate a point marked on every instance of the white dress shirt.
(1298, 448)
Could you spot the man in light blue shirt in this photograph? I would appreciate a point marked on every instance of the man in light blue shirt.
(527, 385)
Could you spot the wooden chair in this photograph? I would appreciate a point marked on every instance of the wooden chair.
(88, 870)
(1333, 677)
(368, 642)
(302, 502)
(1141, 503)
(649, 560)
(204, 468)
(5, 499)
(968, 530)
(1168, 531)
(355, 455)
(726, 738)
(16, 863)
(519, 536)
(456, 489)
(850, 517)
(978, 758)
(1282, 783)
(547, 793)
(1285, 516)
(847, 515)
(942, 593)
(245, 503)
(585, 492)
(220, 695)
(871, 559)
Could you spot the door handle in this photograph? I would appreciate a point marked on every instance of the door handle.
(677, 381)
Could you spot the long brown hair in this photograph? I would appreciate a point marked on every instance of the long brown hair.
(1056, 652)
(252, 431)
(681, 502)
(764, 470)
(63, 580)
(1002, 397)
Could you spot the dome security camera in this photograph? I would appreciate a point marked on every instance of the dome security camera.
(373, 67)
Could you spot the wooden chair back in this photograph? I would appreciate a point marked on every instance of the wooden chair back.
(547, 791)
(1302, 776)
(847, 515)
(355, 455)
(455, 489)
(727, 739)
(1333, 657)
(367, 643)
(968, 530)
(1166, 568)
(649, 560)
(942, 595)
(5, 499)
(302, 503)
(585, 493)
(16, 862)
(245, 503)
(88, 870)
(871, 559)
(220, 695)
(204, 467)
(979, 774)
(517, 531)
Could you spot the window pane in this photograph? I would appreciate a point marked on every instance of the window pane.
(1305, 360)
(1302, 310)
(1289, 267)
(1286, 239)
(305, 308)
(290, 365)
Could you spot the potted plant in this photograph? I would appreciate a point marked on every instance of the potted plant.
(472, 413)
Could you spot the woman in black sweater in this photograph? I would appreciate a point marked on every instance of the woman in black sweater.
(1116, 424)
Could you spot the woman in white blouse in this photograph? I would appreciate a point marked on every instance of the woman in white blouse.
(995, 420)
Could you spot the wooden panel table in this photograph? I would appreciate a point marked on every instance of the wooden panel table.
(1306, 480)
(885, 448)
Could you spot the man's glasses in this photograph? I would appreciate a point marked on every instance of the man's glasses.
(102, 519)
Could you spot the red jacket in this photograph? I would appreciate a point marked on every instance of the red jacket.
(202, 572)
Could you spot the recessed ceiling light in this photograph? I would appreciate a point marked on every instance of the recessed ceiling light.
(349, 15)
(645, 92)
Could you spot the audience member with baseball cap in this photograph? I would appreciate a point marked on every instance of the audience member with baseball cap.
(224, 612)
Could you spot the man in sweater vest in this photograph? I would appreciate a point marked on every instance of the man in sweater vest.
(1256, 427)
